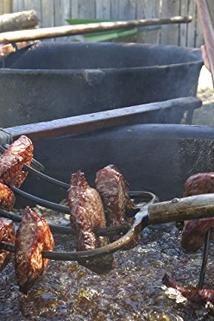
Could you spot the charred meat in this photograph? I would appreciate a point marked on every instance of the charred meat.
(192, 294)
(201, 183)
(20, 152)
(87, 214)
(7, 234)
(113, 189)
(7, 197)
(33, 237)
(194, 231)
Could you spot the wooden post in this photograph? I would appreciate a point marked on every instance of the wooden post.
(18, 20)
(208, 30)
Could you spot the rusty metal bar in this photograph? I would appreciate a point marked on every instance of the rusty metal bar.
(90, 122)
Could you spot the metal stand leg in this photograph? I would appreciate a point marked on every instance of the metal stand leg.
(205, 258)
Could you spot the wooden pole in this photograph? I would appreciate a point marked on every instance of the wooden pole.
(208, 31)
(18, 20)
(62, 31)
(181, 209)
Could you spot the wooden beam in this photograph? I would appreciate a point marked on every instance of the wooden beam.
(208, 31)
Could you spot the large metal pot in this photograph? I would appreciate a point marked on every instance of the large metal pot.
(50, 81)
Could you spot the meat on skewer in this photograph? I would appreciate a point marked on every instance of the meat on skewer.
(87, 214)
(20, 152)
(7, 197)
(33, 237)
(7, 234)
(113, 189)
(194, 231)
(195, 295)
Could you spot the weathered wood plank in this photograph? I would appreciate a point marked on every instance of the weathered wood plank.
(148, 9)
(33, 5)
(191, 29)
(62, 11)
(115, 9)
(18, 5)
(7, 6)
(1, 7)
(170, 34)
(127, 9)
(74, 8)
(199, 39)
(103, 9)
(47, 13)
(183, 30)
(85, 8)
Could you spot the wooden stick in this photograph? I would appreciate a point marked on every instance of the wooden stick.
(208, 32)
(42, 33)
(18, 20)
(187, 208)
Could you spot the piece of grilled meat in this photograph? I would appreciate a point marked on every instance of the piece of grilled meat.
(194, 231)
(32, 238)
(87, 214)
(7, 197)
(20, 152)
(113, 190)
(7, 234)
(192, 294)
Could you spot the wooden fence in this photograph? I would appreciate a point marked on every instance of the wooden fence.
(55, 13)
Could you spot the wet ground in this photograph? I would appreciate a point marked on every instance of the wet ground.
(132, 291)
(205, 115)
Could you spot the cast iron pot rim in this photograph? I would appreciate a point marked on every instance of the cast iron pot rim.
(191, 50)
(95, 70)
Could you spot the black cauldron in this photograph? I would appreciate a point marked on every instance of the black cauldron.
(50, 81)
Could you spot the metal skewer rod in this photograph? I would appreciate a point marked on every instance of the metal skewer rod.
(37, 166)
(46, 177)
(39, 172)
(41, 201)
(148, 197)
(60, 229)
(204, 258)
(63, 208)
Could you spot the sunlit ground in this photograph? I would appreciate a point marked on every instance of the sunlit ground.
(205, 115)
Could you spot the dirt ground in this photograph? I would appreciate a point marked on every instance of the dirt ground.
(205, 115)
